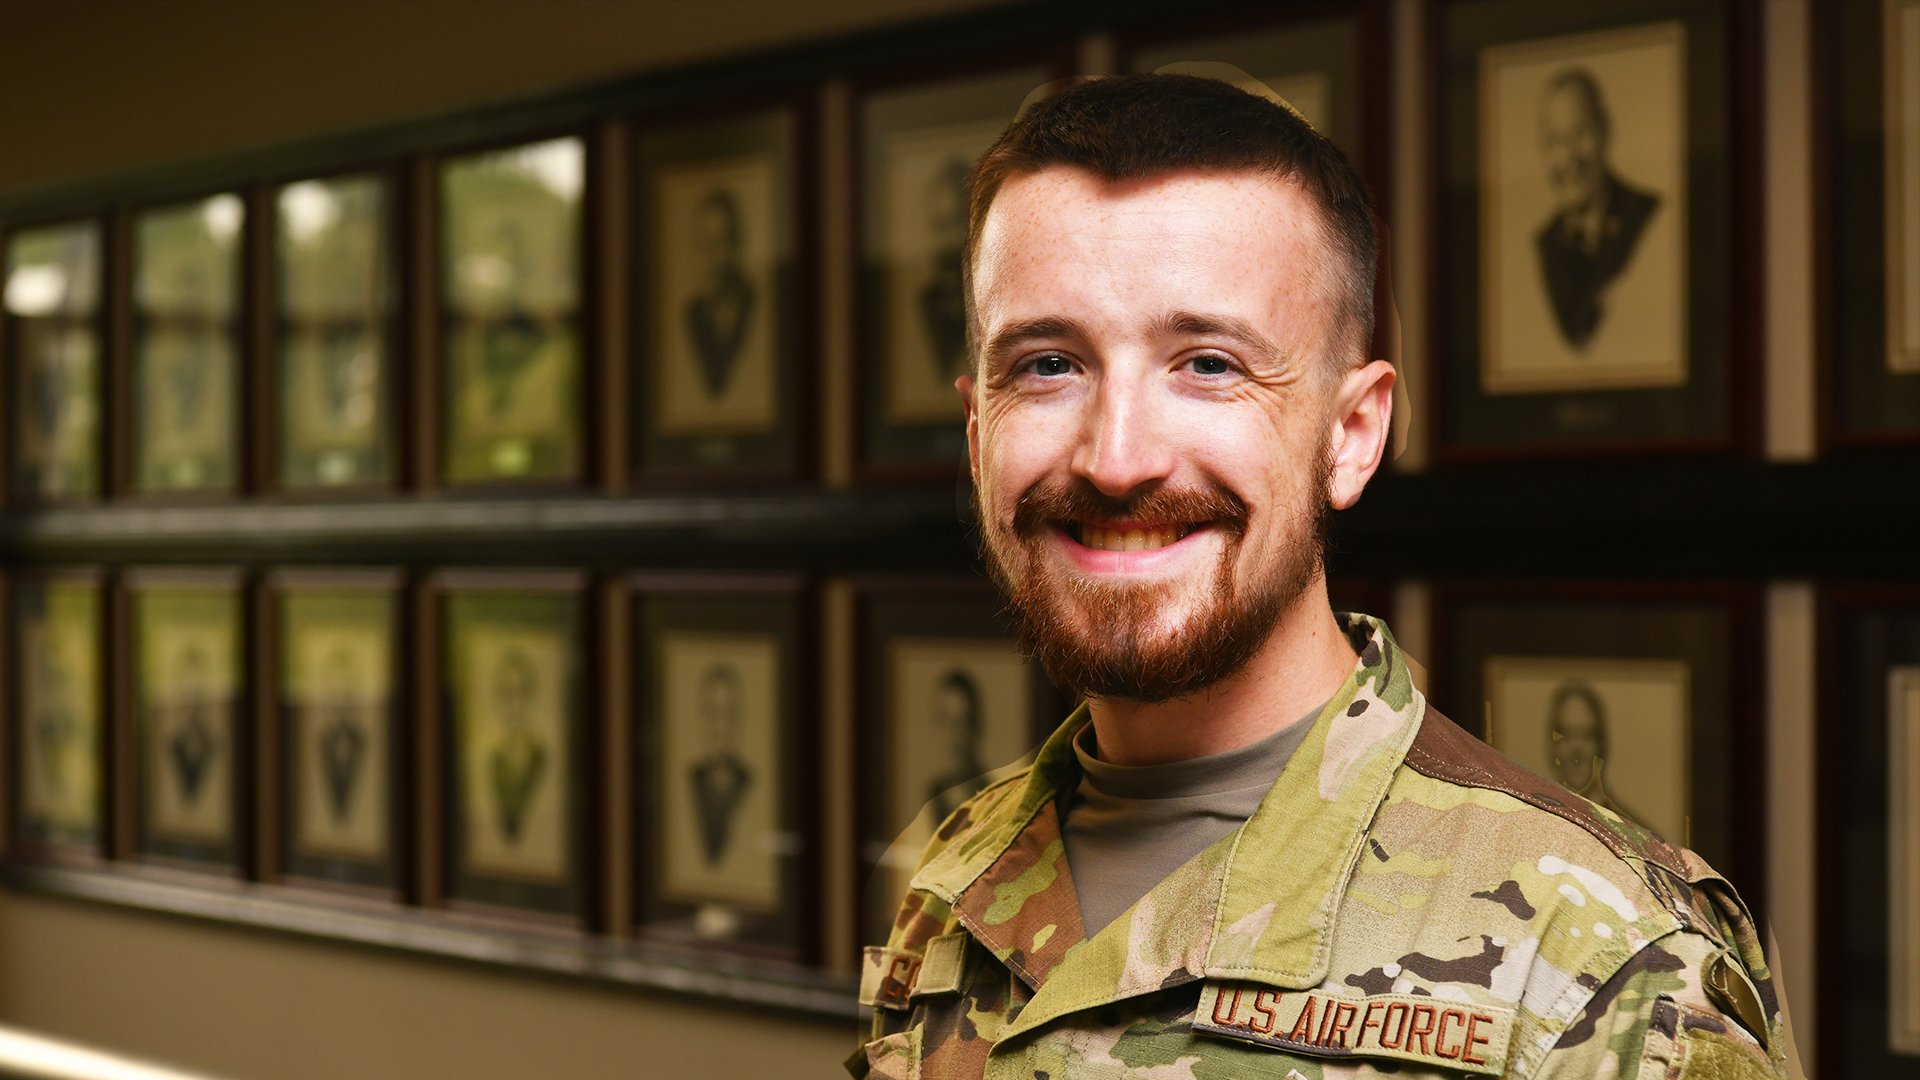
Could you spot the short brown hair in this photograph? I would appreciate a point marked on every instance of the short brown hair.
(1127, 127)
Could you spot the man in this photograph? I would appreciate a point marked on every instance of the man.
(720, 780)
(1170, 287)
(1592, 234)
(943, 297)
(956, 720)
(719, 315)
(1577, 745)
(518, 761)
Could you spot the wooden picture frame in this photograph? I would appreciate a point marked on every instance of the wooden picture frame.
(916, 138)
(189, 352)
(726, 758)
(337, 285)
(58, 710)
(518, 786)
(946, 703)
(339, 683)
(1867, 179)
(725, 324)
(1594, 258)
(1322, 59)
(189, 728)
(1868, 838)
(1549, 672)
(515, 324)
(53, 302)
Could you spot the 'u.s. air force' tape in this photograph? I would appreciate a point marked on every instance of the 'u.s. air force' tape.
(1432, 1031)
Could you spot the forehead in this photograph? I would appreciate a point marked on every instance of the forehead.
(1197, 229)
(1567, 106)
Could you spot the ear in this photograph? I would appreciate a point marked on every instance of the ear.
(1362, 422)
(964, 384)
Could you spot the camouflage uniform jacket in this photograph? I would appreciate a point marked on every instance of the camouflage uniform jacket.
(1405, 901)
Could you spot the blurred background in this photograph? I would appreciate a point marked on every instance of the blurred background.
(488, 582)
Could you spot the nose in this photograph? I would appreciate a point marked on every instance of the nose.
(1122, 446)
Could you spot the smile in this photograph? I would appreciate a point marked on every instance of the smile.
(1128, 536)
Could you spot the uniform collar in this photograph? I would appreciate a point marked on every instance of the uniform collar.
(1273, 886)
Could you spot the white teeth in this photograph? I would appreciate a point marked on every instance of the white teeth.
(1101, 539)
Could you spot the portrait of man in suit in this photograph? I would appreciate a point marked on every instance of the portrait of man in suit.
(942, 298)
(1577, 744)
(343, 731)
(519, 759)
(1598, 218)
(193, 744)
(719, 315)
(720, 779)
(957, 725)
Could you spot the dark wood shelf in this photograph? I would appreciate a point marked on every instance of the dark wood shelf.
(1677, 518)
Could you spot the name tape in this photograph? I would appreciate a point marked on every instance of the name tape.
(1432, 1031)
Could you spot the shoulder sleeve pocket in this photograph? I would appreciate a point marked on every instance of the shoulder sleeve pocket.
(896, 1057)
(1686, 1042)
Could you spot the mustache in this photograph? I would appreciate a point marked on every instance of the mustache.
(1050, 501)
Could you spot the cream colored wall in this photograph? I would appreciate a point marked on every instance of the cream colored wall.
(98, 85)
(256, 1006)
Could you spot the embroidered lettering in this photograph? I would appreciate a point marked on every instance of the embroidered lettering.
(1265, 1003)
(1303, 1027)
(1393, 1029)
(1440, 1034)
(1333, 1025)
(1473, 1040)
(1232, 1004)
(1419, 1029)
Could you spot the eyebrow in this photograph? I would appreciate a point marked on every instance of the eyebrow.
(1170, 324)
(1198, 324)
(1045, 328)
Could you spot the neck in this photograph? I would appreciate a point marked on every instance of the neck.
(1303, 661)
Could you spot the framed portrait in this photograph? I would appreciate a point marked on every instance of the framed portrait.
(343, 751)
(723, 331)
(1638, 698)
(512, 346)
(191, 744)
(1616, 732)
(726, 788)
(58, 745)
(334, 252)
(1868, 830)
(1903, 858)
(186, 350)
(1588, 237)
(1316, 64)
(1871, 65)
(52, 316)
(516, 759)
(947, 705)
(917, 144)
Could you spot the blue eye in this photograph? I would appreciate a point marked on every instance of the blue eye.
(1207, 364)
(1052, 366)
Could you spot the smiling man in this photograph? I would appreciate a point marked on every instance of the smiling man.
(1255, 850)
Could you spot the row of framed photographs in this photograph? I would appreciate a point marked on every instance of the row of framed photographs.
(444, 741)
(437, 321)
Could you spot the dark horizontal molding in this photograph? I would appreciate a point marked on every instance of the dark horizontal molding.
(1682, 517)
(738, 980)
(1704, 517)
(915, 528)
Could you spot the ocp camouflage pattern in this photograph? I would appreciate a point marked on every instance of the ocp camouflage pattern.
(1405, 901)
